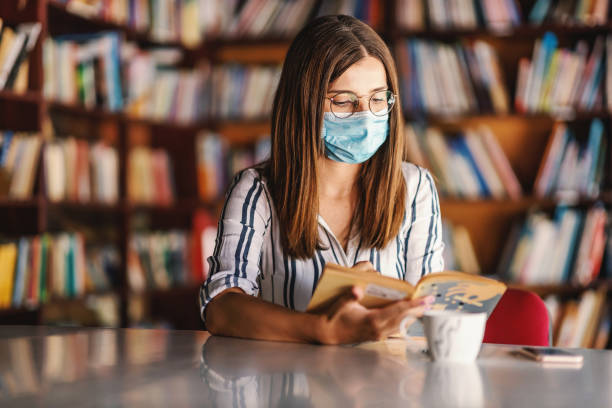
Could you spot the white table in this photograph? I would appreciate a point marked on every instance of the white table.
(114, 367)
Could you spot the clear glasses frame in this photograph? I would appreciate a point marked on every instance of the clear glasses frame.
(344, 104)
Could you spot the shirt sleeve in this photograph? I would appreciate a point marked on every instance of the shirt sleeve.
(241, 230)
(423, 240)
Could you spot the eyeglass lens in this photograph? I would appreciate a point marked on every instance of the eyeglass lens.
(345, 104)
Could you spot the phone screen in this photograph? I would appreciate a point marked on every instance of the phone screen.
(548, 351)
(551, 355)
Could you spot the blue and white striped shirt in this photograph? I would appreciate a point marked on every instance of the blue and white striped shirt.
(248, 252)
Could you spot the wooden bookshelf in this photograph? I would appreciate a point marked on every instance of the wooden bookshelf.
(525, 31)
(488, 221)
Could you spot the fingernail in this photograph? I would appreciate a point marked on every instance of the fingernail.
(429, 299)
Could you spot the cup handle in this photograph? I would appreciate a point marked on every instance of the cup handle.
(405, 324)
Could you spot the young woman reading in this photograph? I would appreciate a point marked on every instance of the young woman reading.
(335, 189)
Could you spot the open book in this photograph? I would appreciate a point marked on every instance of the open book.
(452, 290)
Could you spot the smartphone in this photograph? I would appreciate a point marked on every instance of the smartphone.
(551, 355)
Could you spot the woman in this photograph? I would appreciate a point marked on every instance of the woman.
(334, 190)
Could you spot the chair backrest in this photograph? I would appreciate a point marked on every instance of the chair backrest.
(520, 318)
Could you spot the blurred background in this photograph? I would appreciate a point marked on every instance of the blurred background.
(122, 122)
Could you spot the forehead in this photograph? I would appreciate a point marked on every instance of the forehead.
(362, 77)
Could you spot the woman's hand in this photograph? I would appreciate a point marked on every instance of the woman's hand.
(347, 321)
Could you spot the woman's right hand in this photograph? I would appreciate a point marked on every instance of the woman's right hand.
(346, 321)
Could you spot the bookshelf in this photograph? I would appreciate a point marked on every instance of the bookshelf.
(487, 220)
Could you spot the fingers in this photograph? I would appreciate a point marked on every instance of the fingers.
(364, 266)
(406, 305)
(389, 318)
(354, 294)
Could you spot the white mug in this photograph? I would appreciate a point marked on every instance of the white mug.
(452, 336)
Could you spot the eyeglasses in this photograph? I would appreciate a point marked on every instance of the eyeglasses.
(344, 104)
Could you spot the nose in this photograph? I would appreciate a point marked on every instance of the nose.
(364, 104)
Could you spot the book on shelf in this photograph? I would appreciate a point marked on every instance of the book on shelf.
(19, 158)
(459, 253)
(159, 260)
(36, 269)
(467, 164)
(156, 88)
(76, 170)
(15, 47)
(191, 21)
(417, 15)
(451, 79)
(569, 247)
(573, 167)
(581, 322)
(591, 13)
(561, 80)
(371, 12)
(238, 91)
(150, 178)
(84, 69)
(217, 163)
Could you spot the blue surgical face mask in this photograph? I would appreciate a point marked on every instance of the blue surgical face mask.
(354, 139)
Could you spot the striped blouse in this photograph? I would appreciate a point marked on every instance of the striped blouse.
(248, 252)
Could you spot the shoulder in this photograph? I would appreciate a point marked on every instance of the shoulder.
(248, 188)
(246, 179)
(416, 177)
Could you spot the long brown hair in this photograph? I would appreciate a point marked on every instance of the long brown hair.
(320, 53)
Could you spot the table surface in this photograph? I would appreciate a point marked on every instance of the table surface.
(43, 366)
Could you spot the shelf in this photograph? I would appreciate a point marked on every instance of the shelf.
(7, 202)
(565, 289)
(178, 206)
(65, 18)
(549, 117)
(85, 206)
(524, 31)
(239, 130)
(523, 204)
(176, 291)
(31, 97)
(78, 110)
(20, 111)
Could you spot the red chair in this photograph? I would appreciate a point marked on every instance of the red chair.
(520, 318)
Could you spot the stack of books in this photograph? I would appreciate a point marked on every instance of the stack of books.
(159, 260)
(459, 253)
(371, 12)
(572, 168)
(165, 20)
(583, 322)
(561, 80)
(569, 247)
(585, 12)
(80, 172)
(245, 92)
(445, 79)
(39, 268)
(155, 88)
(217, 163)
(468, 164)
(417, 15)
(15, 47)
(19, 158)
(84, 69)
(255, 18)
(150, 179)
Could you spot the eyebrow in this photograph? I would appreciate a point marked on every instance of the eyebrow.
(380, 88)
